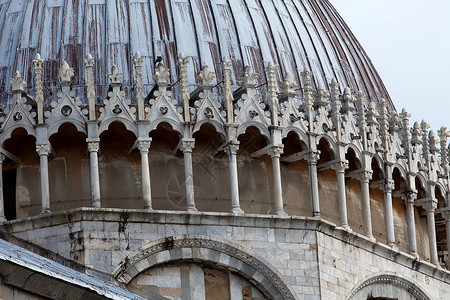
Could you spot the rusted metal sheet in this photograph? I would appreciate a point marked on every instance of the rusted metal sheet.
(29, 40)
(72, 38)
(8, 43)
(141, 37)
(292, 33)
(206, 36)
(251, 53)
(228, 37)
(186, 37)
(163, 34)
(95, 43)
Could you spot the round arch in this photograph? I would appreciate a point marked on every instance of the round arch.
(208, 249)
(387, 286)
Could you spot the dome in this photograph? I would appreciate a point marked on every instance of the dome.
(295, 35)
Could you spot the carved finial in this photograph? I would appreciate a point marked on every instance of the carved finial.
(394, 121)
(307, 88)
(433, 141)
(361, 111)
(288, 85)
(335, 107)
(138, 61)
(65, 73)
(115, 75)
(17, 82)
(183, 63)
(322, 96)
(347, 100)
(38, 62)
(372, 114)
(205, 76)
(272, 90)
(404, 115)
(161, 75)
(416, 134)
(89, 63)
(249, 77)
(443, 135)
(227, 92)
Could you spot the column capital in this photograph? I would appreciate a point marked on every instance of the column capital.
(187, 145)
(2, 157)
(313, 156)
(429, 204)
(231, 148)
(445, 213)
(340, 166)
(43, 149)
(409, 196)
(388, 186)
(276, 151)
(93, 146)
(364, 175)
(144, 145)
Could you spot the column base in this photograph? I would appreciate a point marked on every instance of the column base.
(281, 214)
(345, 227)
(192, 209)
(148, 208)
(393, 246)
(371, 237)
(45, 211)
(237, 211)
(316, 214)
(416, 255)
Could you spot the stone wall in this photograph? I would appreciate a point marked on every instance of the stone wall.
(312, 257)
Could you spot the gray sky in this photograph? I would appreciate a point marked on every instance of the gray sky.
(408, 41)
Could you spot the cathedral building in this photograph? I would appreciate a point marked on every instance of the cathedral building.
(210, 149)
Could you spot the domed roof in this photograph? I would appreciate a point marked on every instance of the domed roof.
(295, 34)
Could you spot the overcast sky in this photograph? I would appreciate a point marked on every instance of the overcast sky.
(408, 41)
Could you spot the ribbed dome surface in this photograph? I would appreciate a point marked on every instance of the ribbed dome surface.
(293, 33)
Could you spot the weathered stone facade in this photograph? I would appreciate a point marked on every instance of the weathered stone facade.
(252, 174)
(283, 257)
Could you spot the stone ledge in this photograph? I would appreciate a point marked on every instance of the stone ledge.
(224, 219)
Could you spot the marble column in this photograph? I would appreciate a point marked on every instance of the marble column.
(409, 197)
(2, 200)
(340, 168)
(143, 147)
(186, 146)
(364, 178)
(93, 148)
(446, 214)
(312, 158)
(388, 187)
(430, 206)
(275, 152)
(231, 149)
(43, 151)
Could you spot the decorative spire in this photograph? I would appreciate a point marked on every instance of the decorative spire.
(272, 90)
(138, 61)
(362, 124)
(89, 63)
(372, 114)
(443, 135)
(227, 92)
(335, 107)
(38, 62)
(433, 141)
(384, 123)
(183, 62)
(308, 95)
(161, 75)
